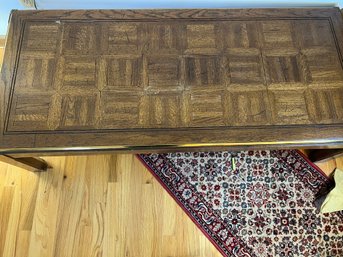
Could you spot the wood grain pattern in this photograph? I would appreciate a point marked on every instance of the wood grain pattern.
(104, 205)
(84, 73)
(177, 57)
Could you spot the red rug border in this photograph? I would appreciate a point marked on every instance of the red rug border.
(183, 208)
(312, 164)
(191, 217)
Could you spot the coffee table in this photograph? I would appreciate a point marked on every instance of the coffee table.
(94, 81)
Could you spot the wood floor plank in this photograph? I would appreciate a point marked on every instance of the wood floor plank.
(71, 214)
(26, 189)
(98, 231)
(97, 176)
(23, 243)
(5, 211)
(11, 215)
(329, 165)
(13, 222)
(29, 191)
(114, 235)
(3, 174)
(43, 233)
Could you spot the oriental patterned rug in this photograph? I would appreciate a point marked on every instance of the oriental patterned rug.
(255, 203)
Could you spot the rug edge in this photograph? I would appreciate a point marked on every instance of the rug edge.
(313, 165)
(182, 207)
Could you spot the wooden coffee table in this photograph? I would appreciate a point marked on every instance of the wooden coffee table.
(168, 80)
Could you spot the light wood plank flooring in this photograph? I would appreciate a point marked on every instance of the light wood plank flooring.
(93, 206)
(328, 166)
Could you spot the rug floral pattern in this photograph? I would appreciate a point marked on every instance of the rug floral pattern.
(252, 203)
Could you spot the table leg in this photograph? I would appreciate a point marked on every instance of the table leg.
(323, 154)
(33, 164)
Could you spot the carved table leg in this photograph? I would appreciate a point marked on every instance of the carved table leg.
(33, 164)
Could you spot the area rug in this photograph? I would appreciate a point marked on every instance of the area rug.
(252, 203)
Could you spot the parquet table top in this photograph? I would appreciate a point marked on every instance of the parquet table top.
(168, 79)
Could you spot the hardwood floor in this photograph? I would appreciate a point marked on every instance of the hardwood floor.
(93, 206)
(96, 206)
(328, 166)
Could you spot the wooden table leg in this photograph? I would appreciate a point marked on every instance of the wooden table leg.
(33, 164)
(323, 154)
